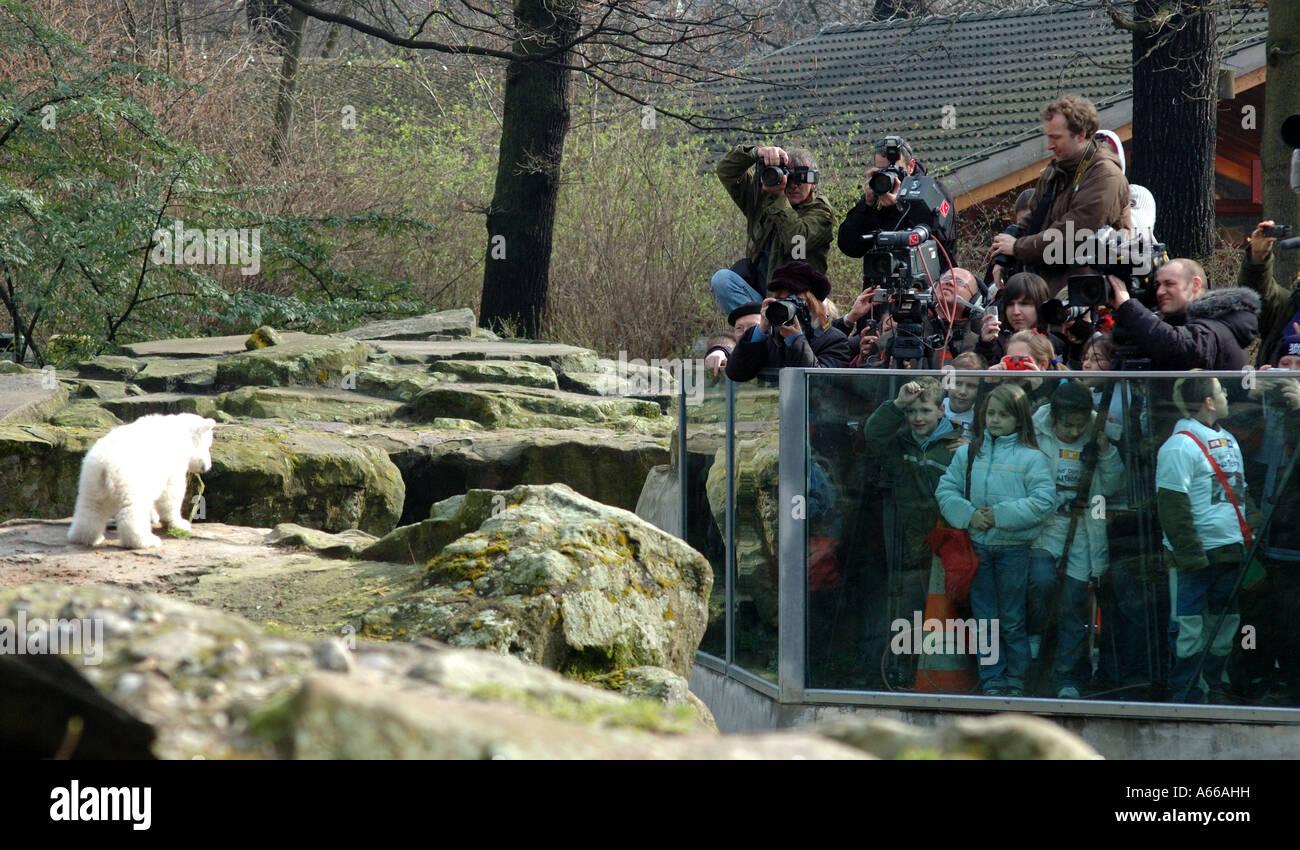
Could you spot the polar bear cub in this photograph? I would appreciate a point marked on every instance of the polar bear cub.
(137, 472)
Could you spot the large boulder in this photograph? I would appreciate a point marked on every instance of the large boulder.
(212, 685)
(264, 477)
(554, 577)
(319, 361)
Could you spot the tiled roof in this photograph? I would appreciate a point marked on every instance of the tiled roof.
(991, 71)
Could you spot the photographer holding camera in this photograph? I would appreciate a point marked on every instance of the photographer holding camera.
(792, 329)
(1277, 304)
(877, 208)
(785, 219)
(1082, 188)
(1195, 328)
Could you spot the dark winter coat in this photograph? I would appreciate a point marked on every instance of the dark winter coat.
(829, 349)
(867, 218)
(1213, 334)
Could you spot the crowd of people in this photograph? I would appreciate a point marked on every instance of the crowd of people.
(1019, 462)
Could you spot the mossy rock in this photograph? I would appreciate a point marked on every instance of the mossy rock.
(189, 374)
(40, 466)
(499, 407)
(320, 361)
(519, 373)
(554, 577)
(262, 477)
(132, 408)
(85, 414)
(308, 404)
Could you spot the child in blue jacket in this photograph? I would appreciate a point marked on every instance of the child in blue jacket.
(1011, 491)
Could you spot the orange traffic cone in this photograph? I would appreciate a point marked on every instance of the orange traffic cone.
(944, 673)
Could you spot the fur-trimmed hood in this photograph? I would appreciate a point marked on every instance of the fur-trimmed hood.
(1217, 303)
(1236, 308)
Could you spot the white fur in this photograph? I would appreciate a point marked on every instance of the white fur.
(137, 473)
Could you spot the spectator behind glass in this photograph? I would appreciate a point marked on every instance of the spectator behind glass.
(963, 391)
(1062, 430)
(1011, 492)
(1018, 305)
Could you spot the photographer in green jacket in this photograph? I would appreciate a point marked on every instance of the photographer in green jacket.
(786, 220)
(1277, 304)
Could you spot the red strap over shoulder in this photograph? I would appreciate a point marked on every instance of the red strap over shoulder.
(1223, 479)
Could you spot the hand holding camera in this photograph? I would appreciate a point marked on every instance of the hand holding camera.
(883, 185)
(861, 305)
(1119, 292)
(991, 327)
(1263, 237)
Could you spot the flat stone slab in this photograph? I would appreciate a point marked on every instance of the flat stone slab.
(317, 404)
(561, 358)
(132, 408)
(453, 323)
(210, 346)
(173, 375)
(28, 398)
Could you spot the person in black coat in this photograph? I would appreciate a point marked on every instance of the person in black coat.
(872, 213)
(765, 347)
(1195, 328)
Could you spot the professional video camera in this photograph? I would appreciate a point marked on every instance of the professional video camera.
(1134, 260)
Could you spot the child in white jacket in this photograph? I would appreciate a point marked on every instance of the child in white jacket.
(1062, 430)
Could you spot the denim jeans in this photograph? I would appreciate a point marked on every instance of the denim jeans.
(731, 290)
(1068, 668)
(998, 593)
(1197, 598)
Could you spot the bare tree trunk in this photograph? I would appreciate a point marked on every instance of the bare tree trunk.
(288, 83)
(1280, 203)
(521, 219)
(1175, 72)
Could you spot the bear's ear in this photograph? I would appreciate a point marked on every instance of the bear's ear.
(207, 425)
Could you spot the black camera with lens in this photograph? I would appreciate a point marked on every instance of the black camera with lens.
(1015, 231)
(783, 310)
(1134, 260)
(882, 182)
(794, 175)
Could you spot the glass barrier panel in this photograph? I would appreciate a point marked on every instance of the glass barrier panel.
(756, 477)
(1101, 558)
(706, 434)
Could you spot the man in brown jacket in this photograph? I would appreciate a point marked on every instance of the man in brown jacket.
(1082, 189)
(786, 222)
